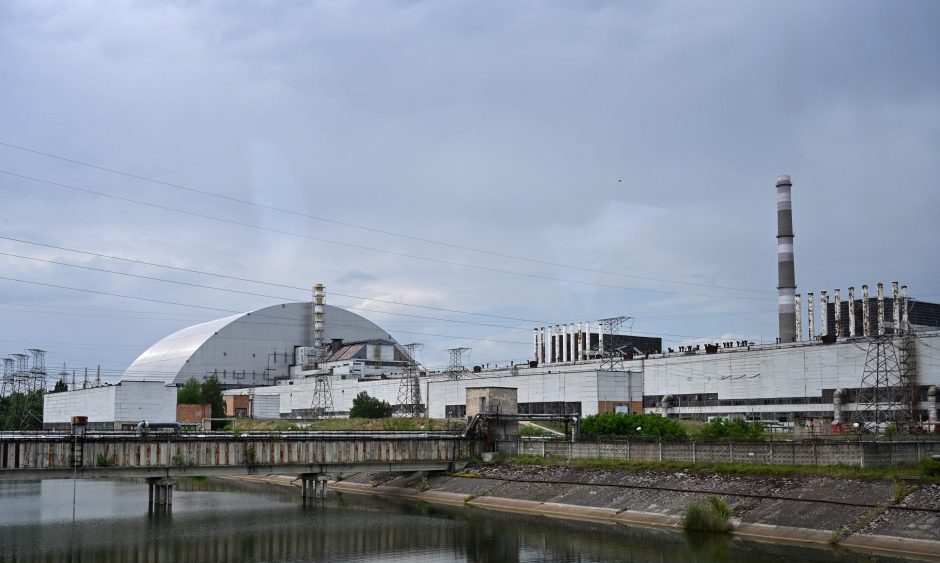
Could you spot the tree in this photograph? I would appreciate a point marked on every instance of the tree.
(725, 428)
(189, 393)
(622, 424)
(365, 406)
(211, 393)
(60, 386)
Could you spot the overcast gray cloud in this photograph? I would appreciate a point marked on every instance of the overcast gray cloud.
(639, 138)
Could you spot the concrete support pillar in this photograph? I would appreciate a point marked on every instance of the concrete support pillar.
(160, 491)
(313, 486)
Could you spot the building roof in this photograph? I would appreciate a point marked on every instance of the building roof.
(248, 348)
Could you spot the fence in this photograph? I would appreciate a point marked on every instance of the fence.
(864, 454)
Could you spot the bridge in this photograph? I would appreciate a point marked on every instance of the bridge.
(161, 457)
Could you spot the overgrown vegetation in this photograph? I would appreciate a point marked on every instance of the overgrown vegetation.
(728, 428)
(20, 411)
(622, 424)
(104, 461)
(366, 406)
(371, 424)
(209, 392)
(710, 517)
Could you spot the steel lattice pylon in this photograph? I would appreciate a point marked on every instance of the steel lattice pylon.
(322, 397)
(8, 385)
(409, 390)
(456, 370)
(611, 356)
(884, 396)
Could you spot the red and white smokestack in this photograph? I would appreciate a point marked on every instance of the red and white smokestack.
(852, 312)
(905, 320)
(824, 316)
(866, 312)
(881, 309)
(810, 317)
(895, 307)
(786, 275)
(838, 310)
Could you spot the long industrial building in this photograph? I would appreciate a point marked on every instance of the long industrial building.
(873, 354)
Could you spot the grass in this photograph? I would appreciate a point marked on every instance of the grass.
(923, 471)
(711, 517)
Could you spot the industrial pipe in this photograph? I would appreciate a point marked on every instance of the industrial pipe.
(851, 312)
(881, 309)
(866, 312)
(810, 317)
(905, 318)
(932, 406)
(895, 308)
(799, 317)
(837, 305)
(824, 316)
(837, 406)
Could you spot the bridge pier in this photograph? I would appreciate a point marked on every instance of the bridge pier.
(313, 485)
(161, 491)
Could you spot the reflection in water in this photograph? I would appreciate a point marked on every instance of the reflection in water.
(226, 520)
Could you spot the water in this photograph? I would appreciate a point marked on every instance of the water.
(227, 520)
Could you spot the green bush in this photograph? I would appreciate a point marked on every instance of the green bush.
(364, 406)
(711, 517)
(727, 428)
(930, 467)
(621, 424)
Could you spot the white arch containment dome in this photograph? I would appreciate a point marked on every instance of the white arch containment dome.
(249, 348)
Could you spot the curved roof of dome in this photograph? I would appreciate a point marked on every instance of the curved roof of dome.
(248, 348)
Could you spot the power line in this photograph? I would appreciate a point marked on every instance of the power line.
(369, 248)
(236, 278)
(366, 228)
(96, 292)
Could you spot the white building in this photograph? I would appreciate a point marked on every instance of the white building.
(112, 407)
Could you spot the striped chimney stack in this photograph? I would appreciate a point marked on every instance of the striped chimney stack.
(786, 275)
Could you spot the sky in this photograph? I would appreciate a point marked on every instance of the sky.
(458, 172)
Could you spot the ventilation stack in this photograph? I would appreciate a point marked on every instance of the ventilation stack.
(786, 275)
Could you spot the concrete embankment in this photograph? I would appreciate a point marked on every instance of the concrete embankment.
(864, 515)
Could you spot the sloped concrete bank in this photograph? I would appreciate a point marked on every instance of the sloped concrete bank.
(861, 515)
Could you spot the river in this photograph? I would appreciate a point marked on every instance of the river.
(227, 520)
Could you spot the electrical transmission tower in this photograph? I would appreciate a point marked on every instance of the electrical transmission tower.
(8, 385)
(456, 370)
(409, 390)
(885, 392)
(611, 354)
(322, 396)
(37, 373)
